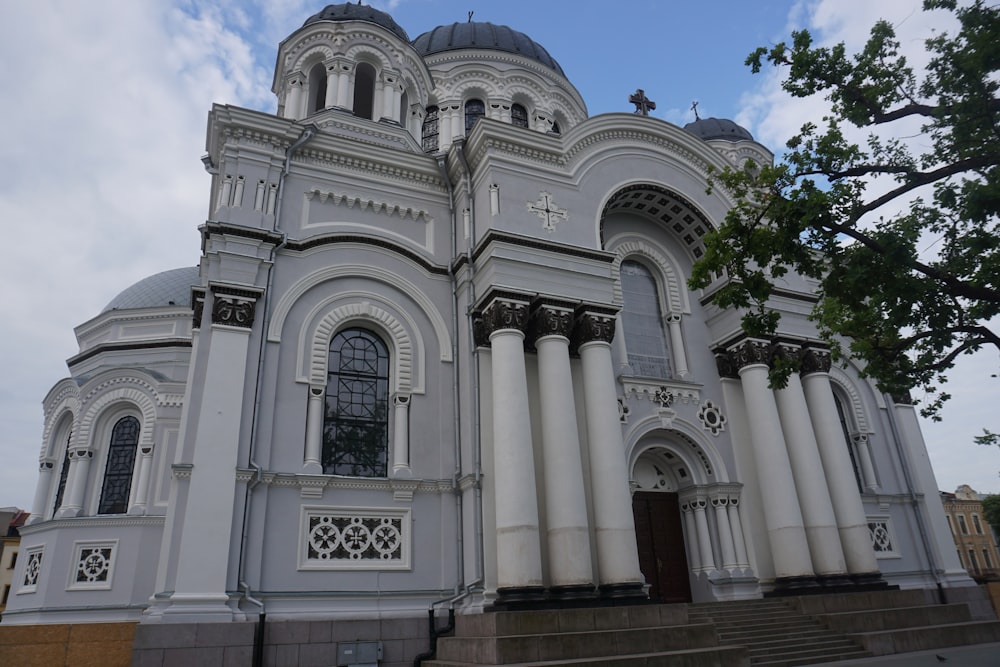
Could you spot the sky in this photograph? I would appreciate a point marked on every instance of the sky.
(104, 114)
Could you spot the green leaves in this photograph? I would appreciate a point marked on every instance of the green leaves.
(906, 292)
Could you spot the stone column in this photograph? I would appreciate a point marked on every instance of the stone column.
(201, 591)
(814, 496)
(614, 523)
(76, 482)
(736, 527)
(39, 502)
(519, 560)
(315, 414)
(401, 436)
(691, 536)
(344, 86)
(847, 506)
(140, 490)
(332, 78)
(868, 477)
(571, 573)
(677, 345)
(699, 505)
(785, 529)
(293, 102)
(720, 502)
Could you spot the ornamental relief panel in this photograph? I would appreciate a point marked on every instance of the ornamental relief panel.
(354, 539)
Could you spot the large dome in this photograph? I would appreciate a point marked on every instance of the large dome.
(170, 288)
(358, 12)
(718, 128)
(475, 35)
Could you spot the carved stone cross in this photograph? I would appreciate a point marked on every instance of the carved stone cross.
(547, 211)
(643, 105)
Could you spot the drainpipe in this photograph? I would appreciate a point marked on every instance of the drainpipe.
(911, 491)
(308, 132)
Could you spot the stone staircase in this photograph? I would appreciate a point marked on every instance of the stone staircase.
(774, 633)
(636, 636)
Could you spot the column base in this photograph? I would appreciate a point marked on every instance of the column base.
(630, 592)
(516, 598)
(802, 585)
(836, 583)
(572, 594)
(871, 581)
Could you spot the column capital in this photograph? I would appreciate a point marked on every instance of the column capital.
(751, 352)
(197, 306)
(503, 310)
(594, 324)
(233, 306)
(815, 360)
(550, 318)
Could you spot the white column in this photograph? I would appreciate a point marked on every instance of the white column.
(736, 525)
(76, 482)
(39, 502)
(293, 102)
(620, 351)
(785, 530)
(332, 77)
(691, 536)
(140, 490)
(457, 122)
(315, 413)
(704, 538)
(865, 461)
(847, 506)
(726, 544)
(519, 560)
(813, 494)
(677, 345)
(401, 436)
(387, 110)
(205, 535)
(614, 523)
(344, 87)
(568, 533)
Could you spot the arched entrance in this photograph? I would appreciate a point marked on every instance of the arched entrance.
(659, 529)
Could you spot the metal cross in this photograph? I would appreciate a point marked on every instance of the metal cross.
(694, 108)
(547, 211)
(643, 105)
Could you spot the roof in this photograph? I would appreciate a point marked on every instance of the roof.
(358, 12)
(718, 128)
(169, 288)
(486, 36)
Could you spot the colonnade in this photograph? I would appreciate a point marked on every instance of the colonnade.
(723, 501)
(506, 322)
(340, 89)
(813, 513)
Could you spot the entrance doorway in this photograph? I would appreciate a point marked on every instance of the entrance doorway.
(660, 538)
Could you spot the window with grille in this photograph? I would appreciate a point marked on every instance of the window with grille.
(642, 322)
(518, 116)
(431, 130)
(356, 423)
(474, 110)
(118, 471)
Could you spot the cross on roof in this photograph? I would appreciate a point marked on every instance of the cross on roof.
(694, 108)
(643, 105)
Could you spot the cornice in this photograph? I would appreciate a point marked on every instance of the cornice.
(494, 236)
(103, 521)
(334, 239)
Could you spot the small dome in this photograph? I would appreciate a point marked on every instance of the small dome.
(170, 288)
(718, 128)
(358, 12)
(473, 35)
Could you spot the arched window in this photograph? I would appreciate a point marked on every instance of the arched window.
(404, 109)
(846, 427)
(63, 475)
(555, 128)
(317, 88)
(474, 110)
(364, 91)
(118, 471)
(518, 116)
(642, 322)
(430, 130)
(356, 423)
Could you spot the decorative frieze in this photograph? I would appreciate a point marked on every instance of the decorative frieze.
(354, 539)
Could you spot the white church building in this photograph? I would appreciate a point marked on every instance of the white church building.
(440, 346)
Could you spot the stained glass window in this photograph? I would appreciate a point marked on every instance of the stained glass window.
(431, 130)
(356, 424)
(118, 472)
(642, 322)
(474, 110)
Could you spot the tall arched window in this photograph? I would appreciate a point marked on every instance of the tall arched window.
(846, 427)
(404, 109)
(118, 471)
(518, 116)
(430, 130)
(364, 91)
(642, 322)
(63, 475)
(317, 88)
(474, 110)
(356, 423)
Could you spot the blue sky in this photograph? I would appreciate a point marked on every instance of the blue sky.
(105, 104)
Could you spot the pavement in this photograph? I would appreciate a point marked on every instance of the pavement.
(977, 655)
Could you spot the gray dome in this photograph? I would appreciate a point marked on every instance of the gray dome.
(718, 128)
(358, 12)
(473, 35)
(170, 288)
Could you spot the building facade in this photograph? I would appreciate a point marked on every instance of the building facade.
(975, 541)
(440, 346)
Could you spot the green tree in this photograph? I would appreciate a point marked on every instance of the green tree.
(859, 216)
(991, 509)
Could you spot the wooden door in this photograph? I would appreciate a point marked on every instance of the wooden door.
(660, 538)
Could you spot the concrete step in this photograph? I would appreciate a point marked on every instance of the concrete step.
(513, 649)
(548, 621)
(718, 656)
(793, 660)
(905, 640)
(902, 617)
